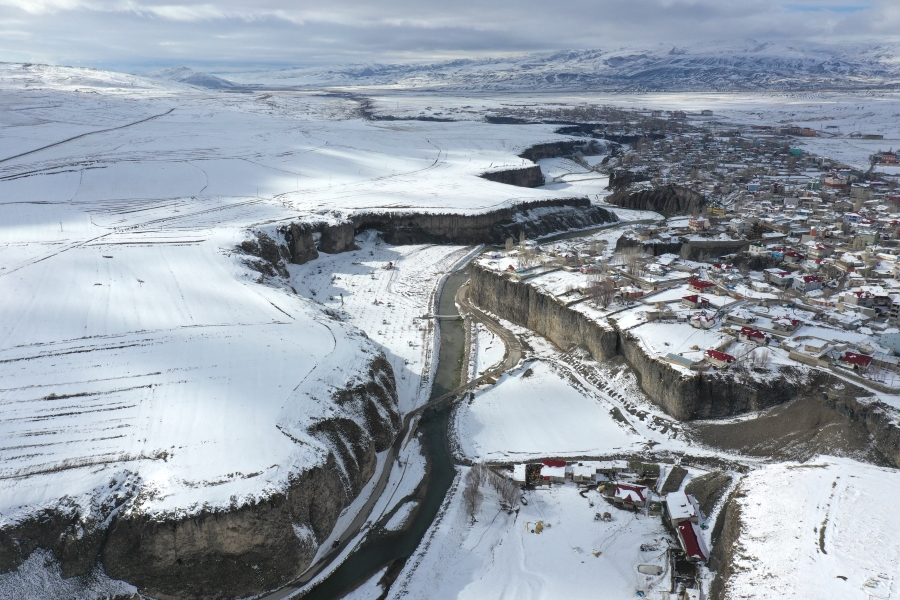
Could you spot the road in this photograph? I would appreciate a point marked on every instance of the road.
(512, 358)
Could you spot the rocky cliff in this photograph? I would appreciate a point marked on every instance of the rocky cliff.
(526, 177)
(219, 552)
(684, 396)
(667, 199)
(493, 227)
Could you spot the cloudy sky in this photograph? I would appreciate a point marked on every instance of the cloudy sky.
(140, 35)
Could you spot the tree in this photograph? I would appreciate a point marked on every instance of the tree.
(509, 243)
(471, 494)
(760, 358)
(601, 291)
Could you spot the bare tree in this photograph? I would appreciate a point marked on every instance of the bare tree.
(471, 494)
(509, 243)
(633, 258)
(509, 492)
(760, 358)
(601, 292)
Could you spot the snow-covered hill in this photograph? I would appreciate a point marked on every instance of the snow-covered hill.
(746, 65)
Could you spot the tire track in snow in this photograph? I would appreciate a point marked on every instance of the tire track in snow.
(3, 160)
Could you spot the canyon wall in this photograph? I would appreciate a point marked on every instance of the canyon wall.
(218, 552)
(530, 177)
(686, 397)
(493, 227)
(667, 199)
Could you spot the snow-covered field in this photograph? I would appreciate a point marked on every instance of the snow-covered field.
(141, 356)
(828, 526)
(136, 346)
(534, 412)
(498, 556)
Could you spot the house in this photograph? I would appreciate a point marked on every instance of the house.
(779, 277)
(630, 291)
(741, 316)
(718, 359)
(807, 283)
(698, 223)
(645, 470)
(862, 298)
(610, 468)
(836, 180)
(785, 324)
(703, 321)
(585, 269)
(698, 286)
(695, 301)
(817, 250)
(857, 362)
(519, 474)
(792, 257)
(757, 249)
(888, 158)
(681, 507)
(748, 334)
(553, 471)
(630, 495)
(584, 472)
(692, 542)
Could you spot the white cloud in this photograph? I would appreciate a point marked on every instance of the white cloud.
(147, 32)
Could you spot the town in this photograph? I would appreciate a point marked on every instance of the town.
(765, 254)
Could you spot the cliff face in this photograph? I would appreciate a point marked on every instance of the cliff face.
(301, 243)
(527, 177)
(223, 552)
(533, 218)
(524, 305)
(668, 199)
(686, 397)
(556, 149)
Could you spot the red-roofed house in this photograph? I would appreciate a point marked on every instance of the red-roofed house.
(807, 283)
(695, 285)
(748, 334)
(703, 321)
(692, 542)
(785, 324)
(630, 495)
(718, 359)
(857, 362)
(695, 301)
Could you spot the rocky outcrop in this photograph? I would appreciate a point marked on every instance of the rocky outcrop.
(533, 218)
(667, 199)
(726, 534)
(338, 238)
(705, 250)
(269, 256)
(881, 420)
(623, 178)
(653, 246)
(301, 243)
(526, 306)
(557, 149)
(708, 489)
(221, 552)
(526, 177)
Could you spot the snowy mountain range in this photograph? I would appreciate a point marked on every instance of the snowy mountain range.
(746, 65)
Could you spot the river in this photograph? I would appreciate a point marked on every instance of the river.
(391, 549)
